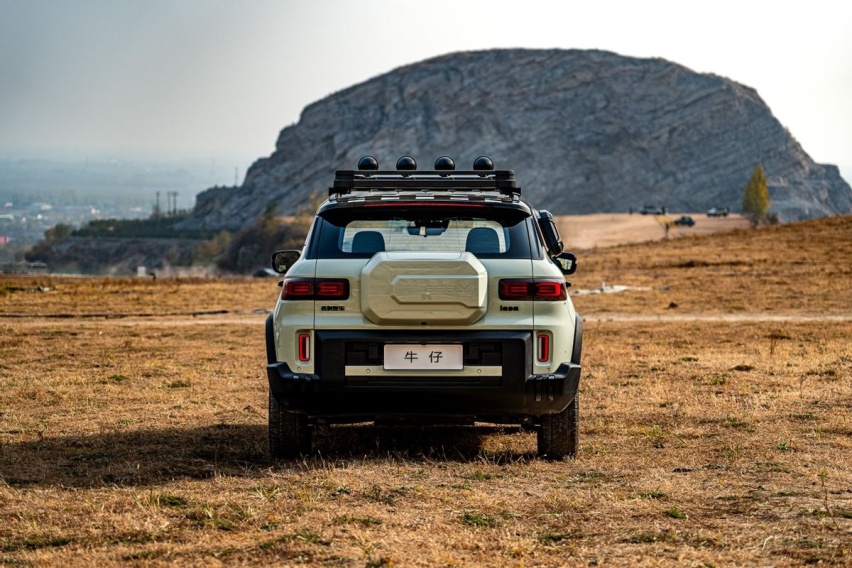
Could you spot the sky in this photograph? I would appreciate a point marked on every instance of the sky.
(221, 78)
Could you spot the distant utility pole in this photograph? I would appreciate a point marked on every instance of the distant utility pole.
(173, 195)
(157, 207)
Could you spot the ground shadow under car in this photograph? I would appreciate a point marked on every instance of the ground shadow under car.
(156, 456)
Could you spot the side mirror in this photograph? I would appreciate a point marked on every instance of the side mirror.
(550, 233)
(282, 260)
(567, 262)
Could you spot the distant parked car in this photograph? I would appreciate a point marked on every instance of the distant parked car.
(264, 273)
(652, 210)
(714, 212)
(684, 221)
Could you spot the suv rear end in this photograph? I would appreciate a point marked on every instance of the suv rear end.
(434, 296)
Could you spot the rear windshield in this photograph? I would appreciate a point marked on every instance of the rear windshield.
(361, 234)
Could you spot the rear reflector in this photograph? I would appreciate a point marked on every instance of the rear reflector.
(315, 289)
(304, 347)
(536, 290)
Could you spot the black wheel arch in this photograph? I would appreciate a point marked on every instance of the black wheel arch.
(271, 357)
(578, 340)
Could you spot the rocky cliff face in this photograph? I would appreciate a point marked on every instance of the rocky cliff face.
(585, 131)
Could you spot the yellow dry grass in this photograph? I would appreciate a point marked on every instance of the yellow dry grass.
(61, 296)
(583, 232)
(803, 269)
(706, 439)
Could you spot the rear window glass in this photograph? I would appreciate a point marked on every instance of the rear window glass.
(343, 237)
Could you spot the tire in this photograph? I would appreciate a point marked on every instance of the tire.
(559, 434)
(289, 433)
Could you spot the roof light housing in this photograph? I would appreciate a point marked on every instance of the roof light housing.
(444, 163)
(368, 163)
(483, 163)
(406, 164)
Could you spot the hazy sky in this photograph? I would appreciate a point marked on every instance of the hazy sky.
(222, 77)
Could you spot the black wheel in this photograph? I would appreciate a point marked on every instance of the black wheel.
(289, 433)
(559, 434)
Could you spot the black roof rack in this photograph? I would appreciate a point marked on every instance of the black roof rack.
(346, 181)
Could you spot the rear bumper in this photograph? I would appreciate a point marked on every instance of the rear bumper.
(511, 393)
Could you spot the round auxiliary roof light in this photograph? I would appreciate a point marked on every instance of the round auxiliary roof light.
(406, 163)
(444, 163)
(368, 163)
(483, 163)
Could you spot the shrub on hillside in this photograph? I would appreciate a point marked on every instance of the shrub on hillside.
(252, 248)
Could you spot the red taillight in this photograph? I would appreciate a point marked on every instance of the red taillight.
(530, 289)
(543, 348)
(332, 289)
(550, 290)
(304, 346)
(514, 290)
(315, 289)
(297, 289)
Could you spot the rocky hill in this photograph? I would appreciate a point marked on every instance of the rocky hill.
(585, 131)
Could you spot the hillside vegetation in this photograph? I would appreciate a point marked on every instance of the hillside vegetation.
(715, 427)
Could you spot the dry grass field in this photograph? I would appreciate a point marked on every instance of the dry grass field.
(716, 427)
(582, 232)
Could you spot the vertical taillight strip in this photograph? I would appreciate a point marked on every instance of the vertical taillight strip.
(303, 347)
(543, 347)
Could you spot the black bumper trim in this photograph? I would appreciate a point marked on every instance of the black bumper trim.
(280, 372)
(534, 396)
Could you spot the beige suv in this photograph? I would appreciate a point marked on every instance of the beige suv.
(431, 296)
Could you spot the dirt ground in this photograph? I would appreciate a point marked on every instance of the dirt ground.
(582, 232)
(716, 427)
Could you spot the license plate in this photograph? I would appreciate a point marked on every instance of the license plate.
(406, 357)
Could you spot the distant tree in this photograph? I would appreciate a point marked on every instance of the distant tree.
(57, 233)
(211, 250)
(42, 251)
(756, 200)
(253, 246)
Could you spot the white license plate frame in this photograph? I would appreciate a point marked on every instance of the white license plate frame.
(424, 357)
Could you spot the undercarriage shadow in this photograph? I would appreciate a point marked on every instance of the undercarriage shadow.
(152, 457)
(440, 443)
